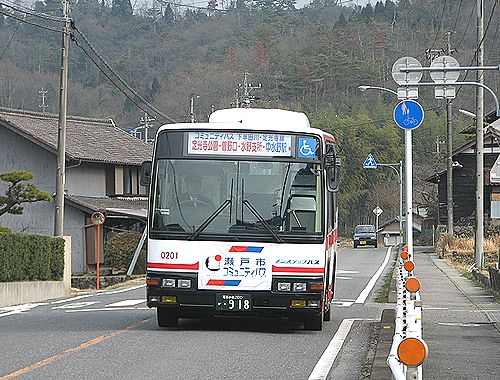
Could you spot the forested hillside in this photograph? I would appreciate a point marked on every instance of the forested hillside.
(311, 59)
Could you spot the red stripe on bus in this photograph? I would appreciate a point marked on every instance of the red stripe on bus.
(214, 282)
(236, 248)
(298, 269)
(173, 266)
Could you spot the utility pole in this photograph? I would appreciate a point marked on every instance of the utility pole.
(44, 105)
(478, 242)
(449, 156)
(61, 137)
(145, 124)
(191, 107)
(247, 87)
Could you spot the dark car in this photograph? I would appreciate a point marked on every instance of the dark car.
(365, 234)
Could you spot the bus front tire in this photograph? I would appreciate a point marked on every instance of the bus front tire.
(315, 323)
(166, 318)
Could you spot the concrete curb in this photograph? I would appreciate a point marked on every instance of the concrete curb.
(380, 369)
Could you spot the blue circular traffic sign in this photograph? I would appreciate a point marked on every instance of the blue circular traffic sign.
(408, 114)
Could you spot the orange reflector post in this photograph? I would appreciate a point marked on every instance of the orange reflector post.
(409, 266)
(412, 351)
(412, 284)
(405, 248)
(404, 255)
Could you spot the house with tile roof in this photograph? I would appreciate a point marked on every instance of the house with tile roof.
(464, 178)
(102, 174)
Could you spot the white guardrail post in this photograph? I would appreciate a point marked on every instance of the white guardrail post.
(408, 350)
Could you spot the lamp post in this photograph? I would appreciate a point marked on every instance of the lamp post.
(363, 88)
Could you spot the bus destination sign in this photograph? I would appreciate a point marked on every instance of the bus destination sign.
(240, 144)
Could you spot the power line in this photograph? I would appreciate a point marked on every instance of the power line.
(46, 27)
(122, 81)
(478, 47)
(10, 40)
(458, 15)
(440, 24)
(31, 12)
(466, 28)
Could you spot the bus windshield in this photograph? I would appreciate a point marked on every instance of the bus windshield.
(233, 199)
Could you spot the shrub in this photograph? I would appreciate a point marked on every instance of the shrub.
(120, 249)
(31, 257)
(5, 230)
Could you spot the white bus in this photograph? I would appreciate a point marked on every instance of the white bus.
(242, 218)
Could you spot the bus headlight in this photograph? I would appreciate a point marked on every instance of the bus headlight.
(184, 284)
(299, 286)
(168, 283)
(284, 286)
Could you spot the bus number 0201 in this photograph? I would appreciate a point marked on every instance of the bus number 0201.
(169, 255)
(239, 304)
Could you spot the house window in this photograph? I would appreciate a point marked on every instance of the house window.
(127, 180)
(495, 203)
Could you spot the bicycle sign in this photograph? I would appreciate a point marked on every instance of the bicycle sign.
(408, 114)
(307, 147)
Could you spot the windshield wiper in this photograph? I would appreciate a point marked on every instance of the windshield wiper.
(262, 220)
(209, 220)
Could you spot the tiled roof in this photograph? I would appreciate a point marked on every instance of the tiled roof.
(132, 206)
(86, 139)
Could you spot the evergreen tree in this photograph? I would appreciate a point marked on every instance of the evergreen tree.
(121, 8)
(367, 12)
(168, 15)
(342, 21)
(19, 192)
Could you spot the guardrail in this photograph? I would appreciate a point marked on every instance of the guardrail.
(408, 350)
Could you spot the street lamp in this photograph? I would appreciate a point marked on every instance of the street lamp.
(399, 173)
(363, 88)
(467, 113)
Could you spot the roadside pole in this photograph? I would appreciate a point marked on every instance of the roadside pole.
(61, 137)
(409, 115)
(409, 191)
(97, 219)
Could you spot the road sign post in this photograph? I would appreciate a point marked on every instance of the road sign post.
(409, 115)
(98, 218)
(377, 211)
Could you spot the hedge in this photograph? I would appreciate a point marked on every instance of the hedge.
(120, 249)
(31, 257)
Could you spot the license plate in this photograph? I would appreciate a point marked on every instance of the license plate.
(362, 242)
(233, 302)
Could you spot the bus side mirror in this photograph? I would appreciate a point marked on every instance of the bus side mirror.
(332, 176)
(146, 168)
(331, 164)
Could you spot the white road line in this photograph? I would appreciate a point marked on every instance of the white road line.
(342, 303)
(126, 303)
(72, 299)
(366, 291)
(126, 289)
(18, 309)
(343, 278)
(107, 309)
(98, 293)
(325, 363)
(76, 305)
(340, 271)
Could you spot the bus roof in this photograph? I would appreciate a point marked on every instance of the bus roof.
(258, 119)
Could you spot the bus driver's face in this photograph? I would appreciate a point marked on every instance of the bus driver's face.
(194, 188)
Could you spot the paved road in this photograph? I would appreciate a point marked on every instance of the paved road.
(114, 335)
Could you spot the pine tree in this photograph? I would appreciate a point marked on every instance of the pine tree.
(168, 15)
(121, 8)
